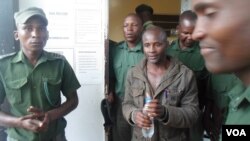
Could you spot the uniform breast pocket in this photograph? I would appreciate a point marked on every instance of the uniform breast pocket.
(138, 96)
(14, 90)
(118, 69)
(52, 89)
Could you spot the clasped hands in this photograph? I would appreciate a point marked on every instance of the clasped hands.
(152, 109)
(37, 121)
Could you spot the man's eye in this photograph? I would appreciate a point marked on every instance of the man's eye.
(185, 33)
(135, 25)
(28, 28)
(42, 28)
(210, 12)
(146, 45)
(158, 44)
(210, 15)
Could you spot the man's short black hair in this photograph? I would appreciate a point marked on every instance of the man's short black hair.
(188, 14)
(143, 7)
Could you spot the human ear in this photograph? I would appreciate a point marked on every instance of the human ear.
(16, 35)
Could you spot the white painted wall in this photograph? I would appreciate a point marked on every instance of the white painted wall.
(186, 5)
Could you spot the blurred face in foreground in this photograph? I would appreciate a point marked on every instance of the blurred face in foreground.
(223, 29)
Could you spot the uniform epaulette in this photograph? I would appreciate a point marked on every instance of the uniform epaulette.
(54, 54)
(112, 43)
(120, 44)
(7, 55)
(57, 55)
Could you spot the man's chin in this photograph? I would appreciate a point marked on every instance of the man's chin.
(130, 40)
(216, 68)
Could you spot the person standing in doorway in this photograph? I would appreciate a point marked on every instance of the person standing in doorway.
(146, 14)
(123, 56)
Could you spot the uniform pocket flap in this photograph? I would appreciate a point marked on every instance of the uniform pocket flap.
(137, 92)
(16, 84)
(51, 80)
(117, 65)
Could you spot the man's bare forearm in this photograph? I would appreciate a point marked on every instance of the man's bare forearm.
(68, 106)
(8, 120)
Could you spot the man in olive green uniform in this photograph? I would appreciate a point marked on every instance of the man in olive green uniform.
(146, 14)
(188, 52)
(124, 56)
(239, 111)
(32, 81)
(220, 86)
(225, 46)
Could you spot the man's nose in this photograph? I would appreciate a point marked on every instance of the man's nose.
(189, 37)
(199, 31)
(151, 48)
(35, 32)
(198, 35)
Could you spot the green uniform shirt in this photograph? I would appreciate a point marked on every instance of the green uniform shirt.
(190, 57)
(124, 58)
(239, 107)
(148, 24)
(40, 86)
(220, 87)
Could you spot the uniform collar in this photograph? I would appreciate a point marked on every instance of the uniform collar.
(20, 57)
(147, 24)
(176, 46)
(240, 97)
(138, 47)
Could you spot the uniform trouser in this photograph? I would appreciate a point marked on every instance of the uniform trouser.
(59, 137)
(3, 135)
(121, 128)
